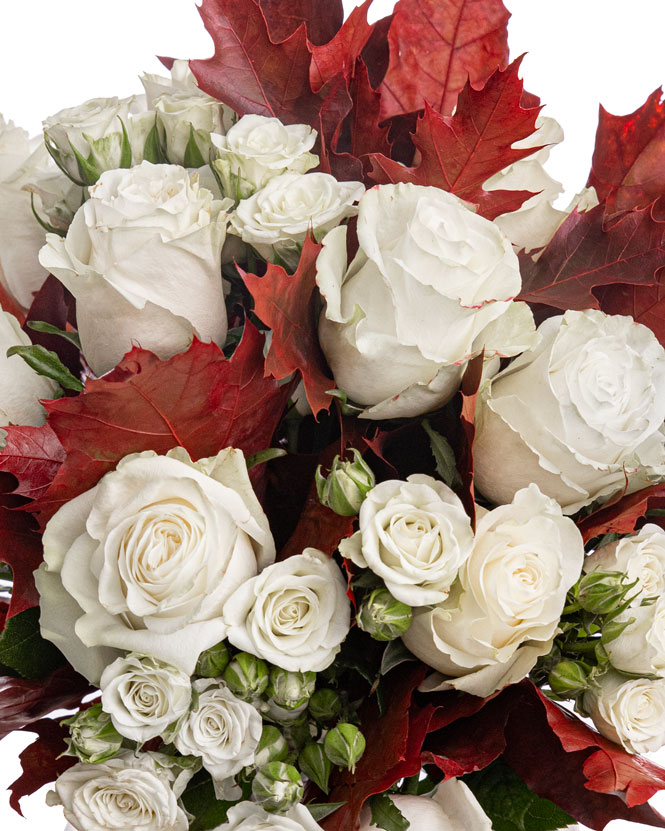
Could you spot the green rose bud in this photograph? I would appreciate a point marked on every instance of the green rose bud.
(272, 747)
(346, 485)
(569, 678)
(290, 689)
(602, 592)
(314, 763)
(344, 745)
(93, 738)
(212, 662)
(277, 787)
(246, 676)
(325, 706)
(383, 617)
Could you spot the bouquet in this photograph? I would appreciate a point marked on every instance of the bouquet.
(333, 455)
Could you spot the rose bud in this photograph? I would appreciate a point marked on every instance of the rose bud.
(212, 662)
(246, 676)
(272, 747)
(346, 485)
(290, 689)
(277, 787)
(344, 745)
(325, 706)
(569, 678)
(93, 738)
(602, 592)
(314, 763)
(383, 617)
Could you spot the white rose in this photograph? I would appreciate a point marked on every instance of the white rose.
(415, 535)
(505, 610)
(248, 816)
(576, 415)
(143, 260)
(640, 648)
(258, 148)
(223, 730)
(129, 791)
(275, 220)
(184, 116)
(144, 696)
(452, 808)
(629, 712)
(20, 386)
(430, 286)
(295, 614)
(145, 560)
(641, 557)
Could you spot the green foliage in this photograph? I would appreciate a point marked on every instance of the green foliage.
(48, 364)
(443, 456)
(386, 815)
(199, 799)
(23, 649)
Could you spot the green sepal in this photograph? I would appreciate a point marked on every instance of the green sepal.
(126, 151)
(193, 156)
(88, 170)
(152, 150)
(46, 363)
(44, 224)
(264, 456)
(55, 154)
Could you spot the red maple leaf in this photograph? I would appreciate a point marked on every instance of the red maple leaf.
(645, 304)
(8, 304)
(33, 455)
(622, 516)
(339, 55)
(469, 393)
(435, 47)
(628, 168)
(287, 303)
(584, 255)
(459, 153)
(21, 549)
(322, 18)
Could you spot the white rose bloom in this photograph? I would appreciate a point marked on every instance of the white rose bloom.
(641, 557)
(504, 612)
(20, 386)
(258, 148)
(143, 260)
(128, 791)
(144, 696)
(223, 730)
(276, 220)
(430, 287)
(640, 648)
(144, 561)
(629, 712)
(452, 808)
(576, 415)
(248, 816)
(295, 614)
(415, 535)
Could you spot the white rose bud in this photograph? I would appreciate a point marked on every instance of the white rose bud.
(20, 386)
(640, 648)
(258, 148)
(629, 712)
(185, 122)
(223, 730)
(248, 816)
(415, 535)
(144, 561)
(295, 614)
(144, 696)
(430, 287)
(128, 791)
(124, 258)
(276, 220)
(575, 415)
(504, 612)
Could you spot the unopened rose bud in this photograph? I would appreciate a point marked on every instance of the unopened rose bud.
(325, 706)
(344, 745)
(277, 787)
(290, 689)
(569, 678)
(383, 617)
(314, 763)
(93, 738)
(346, 485)
(212, 662)
(602, 592)
(272, 747)
(246, 676)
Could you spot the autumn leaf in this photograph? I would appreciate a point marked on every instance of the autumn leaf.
(645, 304)
(323, 18)
(41, 761)
(8, 304)
(33, 455)
(622, 516)
(21, 549)
(435, 47)
(339, 55)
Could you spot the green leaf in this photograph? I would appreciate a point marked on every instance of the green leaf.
(443, 456)
(511, 805)
(323, 809)
(200, 800)
(48, 364)
(193, 157)
(152, 150)
(264, 456)
(49, 329)
(395, 654)
(23, 649)
(386, 815)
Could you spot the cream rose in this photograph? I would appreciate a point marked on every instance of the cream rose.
(144, 696)
(504, 612)
(248, 816)
(257, 148)
(145, 560)
(276, 220)
(431, 286)
(143, 259)
(576, 415)
(629, 712)
(223, 730)
(295, 614)
(415, 535)
(128, 791)
(20, 386)
(640, 648)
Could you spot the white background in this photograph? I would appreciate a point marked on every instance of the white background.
(58, 54)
